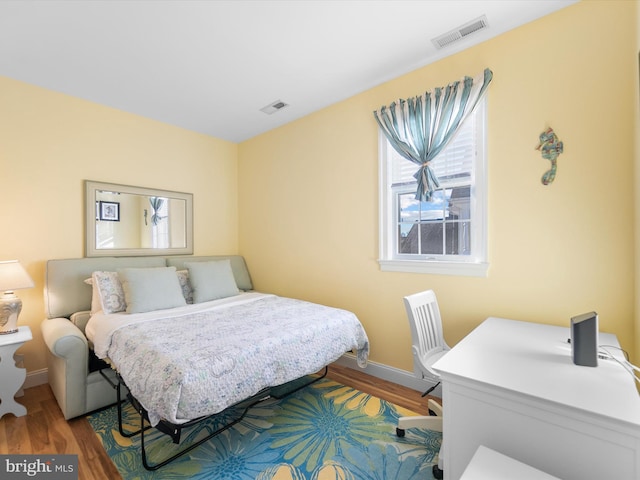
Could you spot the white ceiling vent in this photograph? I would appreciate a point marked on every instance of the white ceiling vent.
(461, 32)
(274, 107)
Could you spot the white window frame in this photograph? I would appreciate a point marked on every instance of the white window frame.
(475, 265)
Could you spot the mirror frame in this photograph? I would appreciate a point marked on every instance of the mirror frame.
(91, 189)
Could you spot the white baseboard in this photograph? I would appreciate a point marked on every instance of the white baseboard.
(379, 370)
(391, 374)
(35, 378)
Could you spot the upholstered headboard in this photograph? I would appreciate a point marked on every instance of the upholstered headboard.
(65, 291)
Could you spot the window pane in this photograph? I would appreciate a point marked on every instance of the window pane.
(437, 208)
(408, 238)
(460, 203)
(431, 238)
(409, 208)
(412, 210)
(458, 241)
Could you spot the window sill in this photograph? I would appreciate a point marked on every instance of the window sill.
(435, 267)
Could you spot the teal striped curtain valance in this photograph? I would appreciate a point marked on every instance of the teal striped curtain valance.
(419, 128)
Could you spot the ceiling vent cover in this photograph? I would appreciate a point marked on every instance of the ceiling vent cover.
(274, 107)
(461, 32)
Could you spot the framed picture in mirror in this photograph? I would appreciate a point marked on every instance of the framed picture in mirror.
(109, 211)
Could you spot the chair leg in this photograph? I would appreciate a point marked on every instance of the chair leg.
(432, 422)
(427, 422)
(437, 473)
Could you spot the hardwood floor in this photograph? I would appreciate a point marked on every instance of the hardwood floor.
(44, 429)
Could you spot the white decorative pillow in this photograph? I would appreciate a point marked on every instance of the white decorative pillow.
(185, 285)
(148, 289)
(108, 295)
(211, 280)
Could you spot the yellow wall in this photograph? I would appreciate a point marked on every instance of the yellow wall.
(309, 202)
(52, 142)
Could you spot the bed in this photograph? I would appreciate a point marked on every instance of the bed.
(187, 337)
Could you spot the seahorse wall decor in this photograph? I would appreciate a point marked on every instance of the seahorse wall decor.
(550, 147)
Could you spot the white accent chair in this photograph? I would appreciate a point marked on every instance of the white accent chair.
(428, 347)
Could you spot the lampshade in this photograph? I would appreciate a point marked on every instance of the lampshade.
(13, 276)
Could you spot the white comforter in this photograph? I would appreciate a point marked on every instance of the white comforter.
(194, 361)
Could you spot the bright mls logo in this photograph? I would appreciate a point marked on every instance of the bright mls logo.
(50, 467)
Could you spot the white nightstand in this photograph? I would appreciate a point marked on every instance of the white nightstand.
(12, 377)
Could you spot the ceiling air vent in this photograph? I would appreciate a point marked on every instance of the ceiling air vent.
(461, 32)
(274, 107)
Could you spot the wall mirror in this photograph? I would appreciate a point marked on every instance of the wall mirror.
(122, 220)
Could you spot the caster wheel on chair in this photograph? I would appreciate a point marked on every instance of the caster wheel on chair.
(400, 432)
(437, 473)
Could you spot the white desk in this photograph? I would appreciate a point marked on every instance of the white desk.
(513, 387)
(12, 377)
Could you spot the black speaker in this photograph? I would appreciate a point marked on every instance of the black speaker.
(584, 339)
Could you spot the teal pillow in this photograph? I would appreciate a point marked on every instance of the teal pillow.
(211, 280)
(148, 289)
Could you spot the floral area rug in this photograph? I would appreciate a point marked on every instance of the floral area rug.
(322, 431)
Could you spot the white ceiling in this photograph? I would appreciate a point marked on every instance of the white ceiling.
(210, 66)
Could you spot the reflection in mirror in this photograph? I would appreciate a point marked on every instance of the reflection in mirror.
(125, 220)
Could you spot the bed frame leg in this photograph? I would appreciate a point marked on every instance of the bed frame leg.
(119, 403)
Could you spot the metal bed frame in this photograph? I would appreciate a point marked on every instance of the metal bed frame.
(175, 430)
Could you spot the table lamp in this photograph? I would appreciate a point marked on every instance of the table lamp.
(12, 277)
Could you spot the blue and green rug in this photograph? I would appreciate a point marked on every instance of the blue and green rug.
(323, 431)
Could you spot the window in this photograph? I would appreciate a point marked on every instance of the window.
(448, 234)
